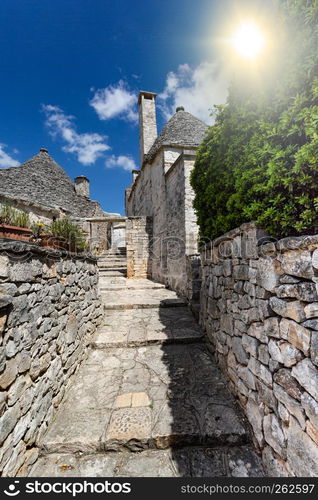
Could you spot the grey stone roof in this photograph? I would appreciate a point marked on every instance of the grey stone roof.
(183, 129)
(43, 181)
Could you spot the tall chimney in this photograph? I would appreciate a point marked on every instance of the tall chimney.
(82, 186)
(147, 122)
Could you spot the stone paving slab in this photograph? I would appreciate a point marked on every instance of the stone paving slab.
(189, 402)
(185, 462)
(141, 299)
(144, 326)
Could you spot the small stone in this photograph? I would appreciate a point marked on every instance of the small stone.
(263, 355)
(9, 375)
(4, 266)
(3, 320)
(315, 259)
(283, 413)
(314, 348)
(266, 395)
(288, 280)
(5, 300)
(297, 335)
(257, 330)
(311, 310)
(311, 323)
(8, 422)
(311, 407)
(307, 375)
(293, 310)
(312, 431)
(23, 361)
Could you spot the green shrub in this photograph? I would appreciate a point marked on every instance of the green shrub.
(259, 160)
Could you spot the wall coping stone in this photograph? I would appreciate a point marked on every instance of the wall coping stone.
(20, 247)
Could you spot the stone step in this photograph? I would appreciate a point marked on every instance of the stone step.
(135, 328)
(152, 397)
(134, 299)
(224, 461)
(121, 283)
(113, 268)
(112, 274)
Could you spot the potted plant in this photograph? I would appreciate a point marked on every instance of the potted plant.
(70, 233)
(14, 225)
(61, 234)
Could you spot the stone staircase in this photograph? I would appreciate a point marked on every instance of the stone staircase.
(149, 400)
(113, 263)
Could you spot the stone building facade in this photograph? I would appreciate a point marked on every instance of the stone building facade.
(161, 189)
(41, 188)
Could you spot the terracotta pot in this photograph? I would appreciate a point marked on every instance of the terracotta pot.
(49, 241)
(15, 233)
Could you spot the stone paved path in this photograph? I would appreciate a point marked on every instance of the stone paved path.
(149, 400)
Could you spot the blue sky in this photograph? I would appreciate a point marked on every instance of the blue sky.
(71, 71)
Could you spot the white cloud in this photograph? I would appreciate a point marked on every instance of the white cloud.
(197, 89)
(115, 101)
(6, 160)
(125, 162)
(87, 147)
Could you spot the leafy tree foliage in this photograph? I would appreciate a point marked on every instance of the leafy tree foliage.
(259, 160)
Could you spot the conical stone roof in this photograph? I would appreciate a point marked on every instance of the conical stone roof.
(43, 181)
(183, 129)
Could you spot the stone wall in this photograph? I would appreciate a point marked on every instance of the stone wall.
(49, 307)
(162, 191)
(139, 247)
(259, 308)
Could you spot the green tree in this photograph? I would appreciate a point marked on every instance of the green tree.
(259, 160)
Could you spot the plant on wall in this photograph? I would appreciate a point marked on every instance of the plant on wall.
(259, 160)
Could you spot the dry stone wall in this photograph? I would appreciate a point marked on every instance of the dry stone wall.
(259, 308)
(49, 307)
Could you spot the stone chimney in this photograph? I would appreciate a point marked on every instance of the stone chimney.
(135, 174)
(82, 186)
(147, 122)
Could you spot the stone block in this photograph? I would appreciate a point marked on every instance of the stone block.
(284, 353)
(307, 376)
(312, 431)
(4, 266)
(311, 310)
(239, 351)
(266, 395)
(255, 417)
(274, 435)
(297, 263)
(260, 371)
(297, 335)
(241, 272)
(263, 355)
(268, 273)
(256, 330)
(247, 376)
(9, 375)
(8, 422)
(5, 300)
(311, 408)
(293, 310)
(314, 348)
(250, 345)
(315, 259)
(302, 451)
(302, 291)
(293, 406)
(284, 378)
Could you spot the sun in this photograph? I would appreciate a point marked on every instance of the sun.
(248, 40)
